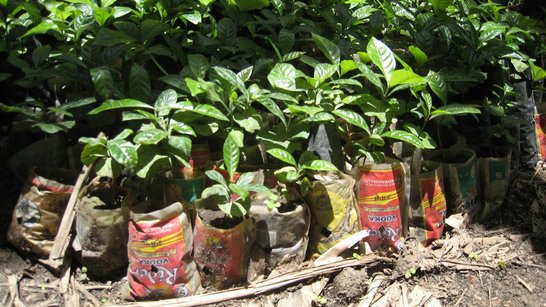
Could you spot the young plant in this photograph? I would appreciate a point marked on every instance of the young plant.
(234, 194)
(293, 175)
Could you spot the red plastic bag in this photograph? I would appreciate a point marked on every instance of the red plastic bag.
(380, 197)
(159, 248)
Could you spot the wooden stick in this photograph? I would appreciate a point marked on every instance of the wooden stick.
(530, 265)
(87, 294)
(62, 238)
(366, 301)
(469, 266)
(263, 286)
(526, 285)
(460, 298)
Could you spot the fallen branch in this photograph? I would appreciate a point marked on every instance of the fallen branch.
(264, 286)
(460, 298)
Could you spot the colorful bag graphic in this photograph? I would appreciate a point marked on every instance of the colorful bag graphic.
(428, 207)
(333, 210)
(540, 126)
(380, 197)
(159, 248)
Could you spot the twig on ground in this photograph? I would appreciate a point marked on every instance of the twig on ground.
(86, 293)
(489, 295)
(460, 298)
(97, 287)
(526, 285)
(538, 266)
(467, 265)
(373, 287)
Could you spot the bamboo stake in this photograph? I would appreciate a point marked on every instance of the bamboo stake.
(263, 286)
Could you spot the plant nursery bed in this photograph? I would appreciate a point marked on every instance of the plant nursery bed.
(499, 263)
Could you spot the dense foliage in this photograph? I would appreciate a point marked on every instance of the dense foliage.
(259, 71)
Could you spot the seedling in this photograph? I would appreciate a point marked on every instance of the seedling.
(410, 272)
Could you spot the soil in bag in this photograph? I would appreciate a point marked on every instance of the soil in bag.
(37, 215)
(281, 232)
(380, 199)
(101, 228)
(222, 247)
(159, 249)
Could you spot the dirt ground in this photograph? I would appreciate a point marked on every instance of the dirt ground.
(500, 263)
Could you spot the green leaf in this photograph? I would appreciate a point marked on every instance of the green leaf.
(283, 76)
(216, 176)
(324, 71)
(123, 134)
(139, 83)
(377, 140)
(287, 174)
(272, 107)
(53, 128)
(108, 168)
(347, 66)
(91, 152)
(239, 190)
(402, 76)
(151, 162)
(245, 74)
(166, 102)
(231, 78)
(102, 14)
(199, 65)
(404, 136)
(123, 152)
(41, 54)
(150, 28)
(238, 137)
(282, 155)
(328, 48)
(420, 57)
(234, 209)
(319, 165)
(437, 85)
(194, 87)
(537, 72)
(109, 38)
(321, 117)
(215, 190)
(150, 136)
(210, 111)
(103, 81)
(309, 110)
(181, 146)
(370, 75)
(247, 5)
(120, 104)
(227, 31)
(292, 56)
(382, 57)
(42, 28)
(454, 109)
(232, 154)
(181, 128)
(286, 40)
(249, 122)
(352, 118)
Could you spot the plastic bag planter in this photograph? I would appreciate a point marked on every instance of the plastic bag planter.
(494, 167)
(460, 172)
(37, 215)
(282, 232)
(381, 189)
(428, 206)
(333, 210)
(222, 247)
(159, 249)
(101, 228)
(187, 185)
